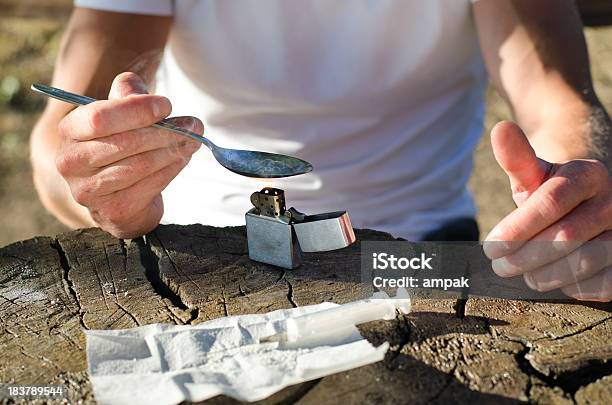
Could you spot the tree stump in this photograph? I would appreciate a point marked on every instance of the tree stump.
(445, 351)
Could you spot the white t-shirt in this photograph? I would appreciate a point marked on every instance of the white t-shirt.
(383, 97)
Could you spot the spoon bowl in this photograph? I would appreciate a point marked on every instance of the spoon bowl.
(260, 164)
(244, 162)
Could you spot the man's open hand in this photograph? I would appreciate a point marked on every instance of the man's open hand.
(116, 164)
(560, 236)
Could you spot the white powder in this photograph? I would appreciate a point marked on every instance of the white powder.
(23, 295)
(168, 364)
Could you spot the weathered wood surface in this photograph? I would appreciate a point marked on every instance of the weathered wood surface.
(445, 351)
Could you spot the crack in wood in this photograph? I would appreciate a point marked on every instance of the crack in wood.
(128, 313)
(97, 273)
(527, 368)
(241, 291)
(150, 261)
(195, 312)
(570, 381)
(290, 294)
(289, 288)
(450, 377)
(67, 282)
(10, 332)
(404, 328)
(539, 371)
(224, 302)
(12, 301)
(23, 351)
(459, 307)
(172, 263)
(124, 254)
(70, 339)
(576, 332)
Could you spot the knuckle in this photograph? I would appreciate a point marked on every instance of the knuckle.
(193, 124)
(141, 165)
(159, 176)
(578, 166)
(606, 237)
(136, 168)
(88, 189)
(75, 157)
(538, 280)
(81, 196)
(88, 156)
(116, 216)
(183, 155)
(586, 265)
(121, 144)
(604, 214)
(95, 119)
(540, 287)
(551, 203)
(114, 212)
(571, 293)
(577, 173)
(159, 106)
(193, 147)
(127, 77)
(598, 169)
(63, 127)
(590, 174)
(84, 154)
(567, 232)
(64, 163)
(95, 184)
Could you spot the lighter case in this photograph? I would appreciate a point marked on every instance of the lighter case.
(278, 236)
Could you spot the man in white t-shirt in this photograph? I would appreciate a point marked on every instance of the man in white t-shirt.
(384, 97)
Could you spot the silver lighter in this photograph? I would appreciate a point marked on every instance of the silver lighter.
(278, 236)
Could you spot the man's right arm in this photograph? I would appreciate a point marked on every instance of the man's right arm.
(96, 47)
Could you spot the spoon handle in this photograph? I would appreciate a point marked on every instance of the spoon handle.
(78, 99)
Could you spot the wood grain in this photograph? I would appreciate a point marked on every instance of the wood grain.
(445, 351)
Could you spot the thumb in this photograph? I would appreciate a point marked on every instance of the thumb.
(125, 84)
(518, 159)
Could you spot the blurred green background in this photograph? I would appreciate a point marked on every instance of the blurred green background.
(30, 32)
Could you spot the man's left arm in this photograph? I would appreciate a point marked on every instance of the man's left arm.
(559, 153)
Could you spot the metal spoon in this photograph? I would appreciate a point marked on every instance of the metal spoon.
(245, 162)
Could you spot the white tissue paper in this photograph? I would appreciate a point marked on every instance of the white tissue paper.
(247, 357)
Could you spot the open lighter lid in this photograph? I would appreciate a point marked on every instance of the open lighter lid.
(323, 232)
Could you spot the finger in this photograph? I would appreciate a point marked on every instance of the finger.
(582, 263)
(517, 158)
(596, 288)
(120, 207)
(107, 117)
(127, 172)
(589, 219)
(88, 156)
(573, 183)
(139, 223)
(125, 84)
